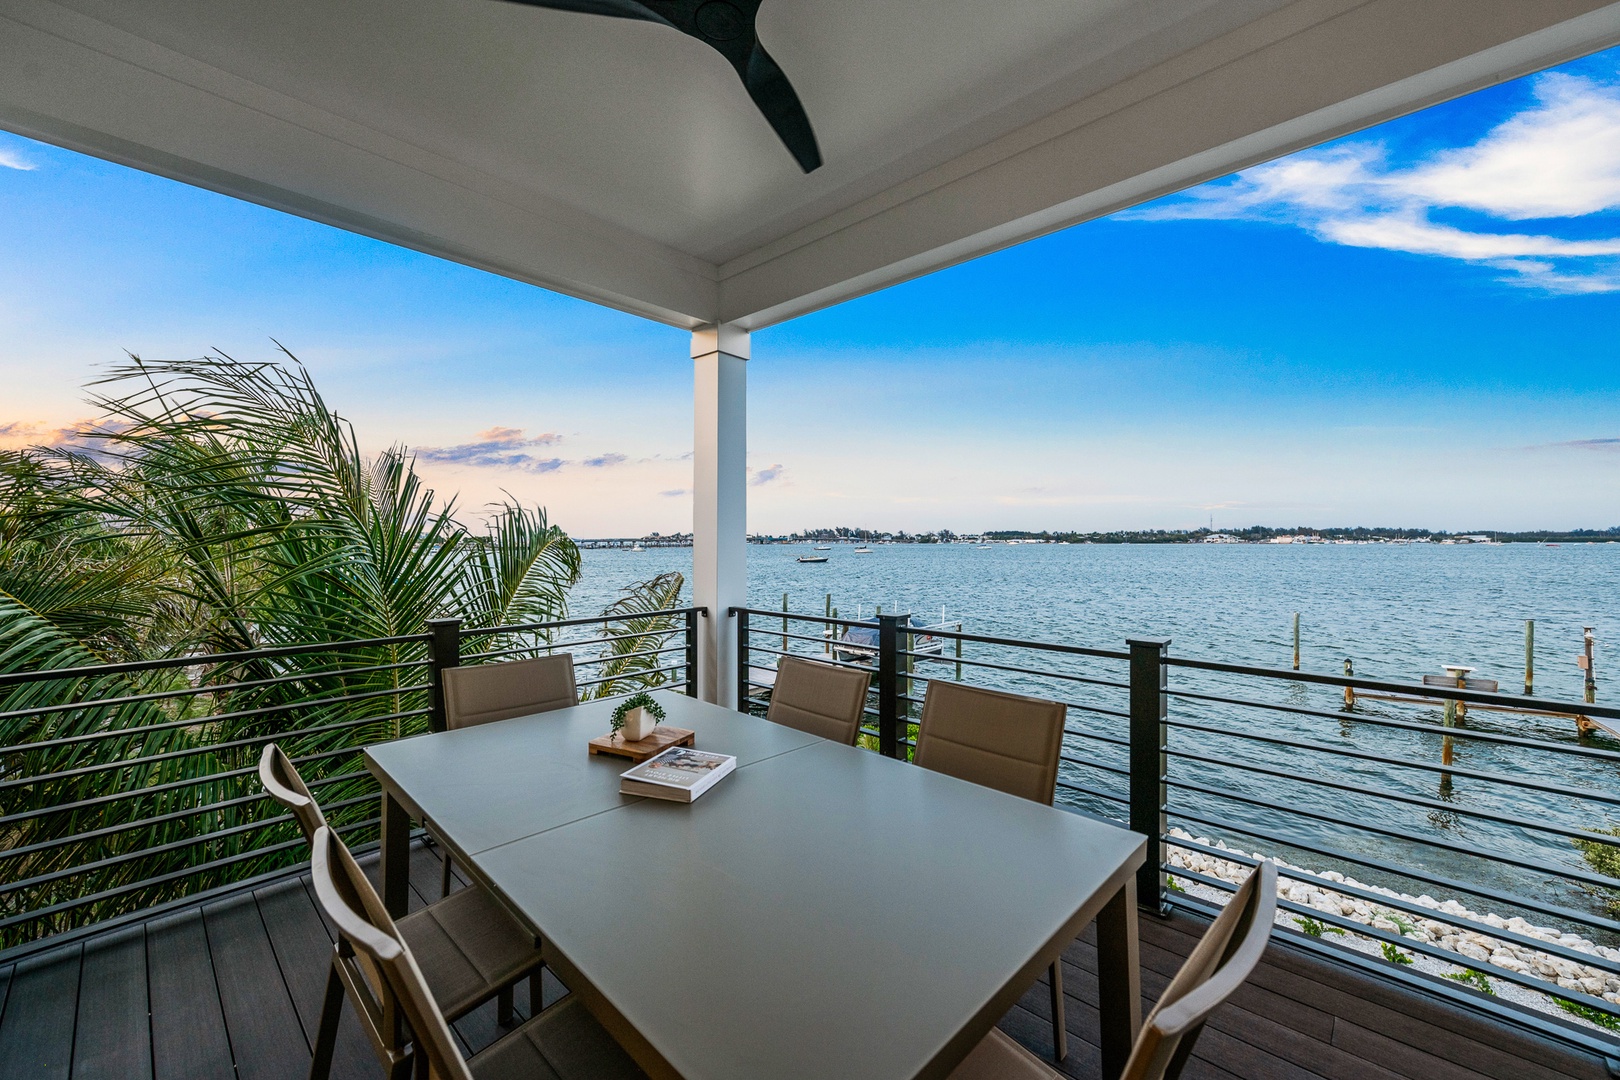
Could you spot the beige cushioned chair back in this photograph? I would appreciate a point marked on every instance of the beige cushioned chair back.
(283, 784)
(484, 693)
(819, 699)
(1220, 963)
(1005, 741)
(381, 977)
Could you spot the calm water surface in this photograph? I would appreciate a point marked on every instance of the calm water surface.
(1398, 612)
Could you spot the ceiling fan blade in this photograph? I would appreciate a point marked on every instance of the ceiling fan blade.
(776, 99)
(727, 27)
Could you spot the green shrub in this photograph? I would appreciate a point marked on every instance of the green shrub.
(1473, 978)
(1587, 1013)
(1603, 856)
(1316, 929)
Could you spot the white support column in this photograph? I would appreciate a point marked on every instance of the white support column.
(719, 501)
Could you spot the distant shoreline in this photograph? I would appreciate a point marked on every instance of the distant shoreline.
(1256, 534)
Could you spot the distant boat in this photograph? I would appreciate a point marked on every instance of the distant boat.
(823, 547)
(637, 547)
(862, 550)
(812, 558)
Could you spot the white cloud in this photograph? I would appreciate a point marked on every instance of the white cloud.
(1557, 159)
(13, 159)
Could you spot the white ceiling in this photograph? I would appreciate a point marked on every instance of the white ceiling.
(623, 162)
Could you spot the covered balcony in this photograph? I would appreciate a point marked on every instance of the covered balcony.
(158, 918)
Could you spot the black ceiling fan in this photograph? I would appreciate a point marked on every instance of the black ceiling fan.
(727, 27)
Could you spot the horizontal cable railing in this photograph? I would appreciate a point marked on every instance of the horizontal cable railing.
(1453, 838)
(127, 786)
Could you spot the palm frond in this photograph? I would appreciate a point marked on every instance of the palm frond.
(638, 636)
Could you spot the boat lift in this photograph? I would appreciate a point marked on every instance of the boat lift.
(1457, 676)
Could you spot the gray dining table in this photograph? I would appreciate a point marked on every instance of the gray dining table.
(823, 912)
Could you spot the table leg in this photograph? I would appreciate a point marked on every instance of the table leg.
(396, 856)
(1119, 977)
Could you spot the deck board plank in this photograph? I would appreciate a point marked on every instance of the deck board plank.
(188, 1025)
(303, 947)
(1301, 1017)
(36, 1030)
(1425, 1023)
(267, 1040)
(113, 1037)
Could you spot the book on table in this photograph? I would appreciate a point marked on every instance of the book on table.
(679, 774)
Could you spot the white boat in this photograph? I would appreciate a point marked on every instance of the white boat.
(812, 558)
(858, 644)
(823, 547)
(637, 547)
(863, 550)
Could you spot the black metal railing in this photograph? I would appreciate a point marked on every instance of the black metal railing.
(130, 786)
(1394, 796)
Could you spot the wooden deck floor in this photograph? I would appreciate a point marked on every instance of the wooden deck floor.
(233, 989)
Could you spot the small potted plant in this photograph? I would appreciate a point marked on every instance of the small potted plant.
(636, 716)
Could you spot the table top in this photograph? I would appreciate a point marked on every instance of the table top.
(492, 784)
(822, 912)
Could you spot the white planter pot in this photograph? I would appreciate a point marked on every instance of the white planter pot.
(638, 724)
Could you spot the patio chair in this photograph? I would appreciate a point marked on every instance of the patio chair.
(1004, 741)
(485, 693)
(473, 950)
(819, 699)
(381, 976)
(1220, 963)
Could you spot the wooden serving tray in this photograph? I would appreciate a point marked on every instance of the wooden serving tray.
(662, 738)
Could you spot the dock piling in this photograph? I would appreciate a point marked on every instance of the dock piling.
(1349, 691)
(1529, 657)
(1296, 641)
(1589, 666)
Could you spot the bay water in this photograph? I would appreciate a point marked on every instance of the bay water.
(1397, 612)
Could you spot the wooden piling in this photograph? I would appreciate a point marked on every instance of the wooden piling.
(1349, 691)
(1296, 641)
(1529, 657)
(958, 654)
(784, 622)
(1590, 666)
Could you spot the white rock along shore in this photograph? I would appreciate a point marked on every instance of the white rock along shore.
(1305, 887)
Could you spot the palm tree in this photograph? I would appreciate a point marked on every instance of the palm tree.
(222, 507)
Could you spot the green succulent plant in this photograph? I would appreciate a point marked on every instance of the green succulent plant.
(641, 700)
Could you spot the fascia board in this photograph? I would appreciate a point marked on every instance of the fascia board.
(1312, 72)
(76, 82)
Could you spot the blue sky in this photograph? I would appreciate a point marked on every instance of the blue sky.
(1414, 325)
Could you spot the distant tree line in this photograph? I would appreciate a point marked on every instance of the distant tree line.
(1251, 533)
(1261, 533)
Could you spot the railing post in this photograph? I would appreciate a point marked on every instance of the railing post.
(691, 653)
(1149, 709)
(888, 686)
(444, 651)
(742, 659)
